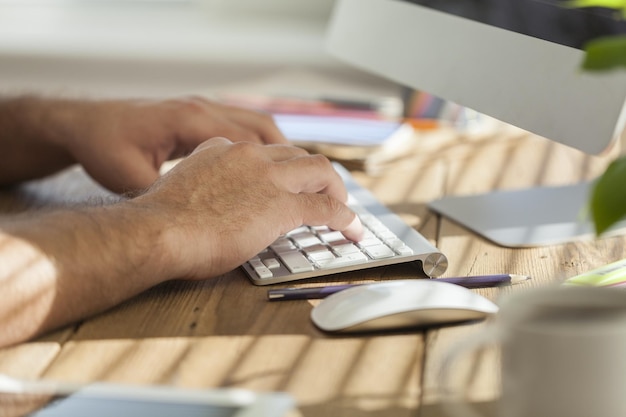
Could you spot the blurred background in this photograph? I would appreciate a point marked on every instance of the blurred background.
(169, 47)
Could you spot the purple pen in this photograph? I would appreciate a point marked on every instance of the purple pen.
(306, 293)
(483, 281)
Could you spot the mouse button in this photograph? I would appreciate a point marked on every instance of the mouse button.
(349, 307)
(469, 300)
(417, 319)
(384, 322)
(451, 315)
(443, 295)
(484, 304)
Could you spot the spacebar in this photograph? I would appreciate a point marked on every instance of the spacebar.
(345, 260)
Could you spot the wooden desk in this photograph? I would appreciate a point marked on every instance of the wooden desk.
(223, 332)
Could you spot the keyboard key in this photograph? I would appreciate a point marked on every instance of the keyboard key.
(372, 241)
(320, 256)
(404, 250)
(349, 259)
(386, 235)
(296, 262)
(394, 243)
(271, 263)
(283, 244)
(379, 251)
(333, 236)
(301, 229)
(311, 250)
(399, 247)
(261, 270)
(306, 239)
(345, 249)
(367, 234)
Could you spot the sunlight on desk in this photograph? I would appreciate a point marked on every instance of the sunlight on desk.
(224, 333)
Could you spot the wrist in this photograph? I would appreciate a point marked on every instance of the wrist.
(122, 246)
(176, 253)
(142, 241)
(53, 120)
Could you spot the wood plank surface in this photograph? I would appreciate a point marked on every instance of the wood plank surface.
(522, 161)
(224, 333)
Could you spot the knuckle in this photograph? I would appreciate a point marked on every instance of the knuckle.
(322, 209)
(249, 136)
(298, 150)
(191, 105)
(245, 149)
(327, 204)
(321, 161)
(294, 152)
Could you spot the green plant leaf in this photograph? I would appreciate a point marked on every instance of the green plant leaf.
(609, 4)
(605, 53)
(608, 196)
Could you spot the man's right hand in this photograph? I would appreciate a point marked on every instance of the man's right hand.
(227, 201)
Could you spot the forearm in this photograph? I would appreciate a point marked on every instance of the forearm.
(64, 266)
(32, 132)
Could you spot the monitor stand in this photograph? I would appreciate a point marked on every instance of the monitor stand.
(525, 218)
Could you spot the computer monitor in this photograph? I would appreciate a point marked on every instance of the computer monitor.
(518, 61)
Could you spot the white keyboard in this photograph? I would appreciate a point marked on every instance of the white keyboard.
(312, 251)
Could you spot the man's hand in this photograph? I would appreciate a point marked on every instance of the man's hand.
(213, 211)
(120, 143)
(226, 202)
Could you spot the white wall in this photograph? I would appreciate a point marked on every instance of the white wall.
(164, 47)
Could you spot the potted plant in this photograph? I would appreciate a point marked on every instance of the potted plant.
(607, 202)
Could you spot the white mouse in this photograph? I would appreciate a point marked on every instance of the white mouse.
(392, 305)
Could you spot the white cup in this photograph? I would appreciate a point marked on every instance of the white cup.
(563, 353)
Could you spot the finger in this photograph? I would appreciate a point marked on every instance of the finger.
(274, 152)
(319, 210)
(205, 118)
(216, 141)
(311, 174)
(284, 152)
(138, 168)
(262, 124)
(226, 127)
(210, 122)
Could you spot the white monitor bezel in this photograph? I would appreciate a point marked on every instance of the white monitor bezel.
(512, 77)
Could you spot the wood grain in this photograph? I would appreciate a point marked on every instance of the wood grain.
(224, 333)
